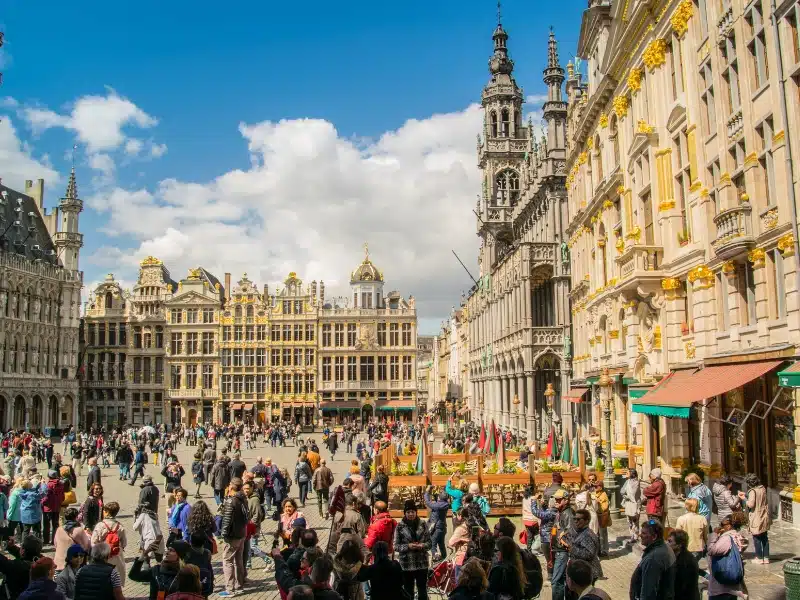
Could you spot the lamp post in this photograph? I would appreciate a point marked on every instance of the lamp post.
(481, 403)
(606, 390)
(549, 394)
(516, 408)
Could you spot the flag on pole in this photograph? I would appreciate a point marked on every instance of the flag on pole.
(423, 447)
(482, 438)
(575, 450)
(549, 451)
(492, 438)
(501, 455)
(565, 450)
(554, 455)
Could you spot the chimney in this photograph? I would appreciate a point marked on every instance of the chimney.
(227, 286)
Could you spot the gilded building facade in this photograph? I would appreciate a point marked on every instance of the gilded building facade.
(368, 351)
(518, 313)
(40, 287)
(682, 233)
(192, 348)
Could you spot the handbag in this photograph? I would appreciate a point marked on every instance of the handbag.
(729, 569)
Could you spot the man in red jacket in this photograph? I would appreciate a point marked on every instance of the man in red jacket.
(381, 528)
(51, 505)
(655, 494)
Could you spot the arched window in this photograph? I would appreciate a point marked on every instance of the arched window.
(147, 340)
(493, 119)
(505, 123)
(622, 335)
(108, 300)
(237, 312)
(159, 337)
(507, 183)
(250, 311)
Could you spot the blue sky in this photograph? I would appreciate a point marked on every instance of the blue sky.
(246, 136)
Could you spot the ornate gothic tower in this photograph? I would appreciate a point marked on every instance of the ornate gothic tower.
(554, 110)
(68, 240)
(500, 155)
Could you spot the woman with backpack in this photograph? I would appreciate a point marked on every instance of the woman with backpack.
(725, 548)
(758, 516)
(111, 531)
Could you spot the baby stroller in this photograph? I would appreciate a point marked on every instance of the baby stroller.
(442, 578)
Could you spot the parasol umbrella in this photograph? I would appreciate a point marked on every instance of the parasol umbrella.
(147, 429)
(554, 447)
(575, 450)
(420, 466)
(565, 450)
(501, 455)
(482, 438)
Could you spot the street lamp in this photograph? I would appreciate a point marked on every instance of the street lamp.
(481, 404)
(549, 394)
(516, 407)
(606, 390)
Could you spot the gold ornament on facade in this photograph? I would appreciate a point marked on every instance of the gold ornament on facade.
(613, 334)
(769, 220)
(643, 127)
(670, 285)
(680, 18)
(194, 274)
(634, 234)
(666, 205)
(621, 190)
(590, 143)
(603, 121)
(620, 245)
(786, 245)
(621, 106)
(779, 137)
(757, 256)
(608, 205)
(582, 158)
(751, 160)
(150, 261)
(657, 338)
(725, 179)
(701, 275)
(635, 79)
(689, 349)
(655, 54)
(729, 267)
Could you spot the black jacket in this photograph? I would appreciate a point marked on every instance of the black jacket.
(287, 580)
(686, 574)
(42, 589)
(166, 581)
(94, 581)
(149, 496)
(94, 476)
(173, 481)
(465, 593)
(237, 468)
(234, 517)
(17, 572)
(503, 580)
(385, 579)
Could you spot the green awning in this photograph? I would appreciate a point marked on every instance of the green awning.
(790, 377)
(658, 410)
(394, 408)
(634, 393)
(592, 380)
(629, 380)
(330, 410)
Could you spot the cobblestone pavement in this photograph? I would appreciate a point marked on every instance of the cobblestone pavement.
(765, 582)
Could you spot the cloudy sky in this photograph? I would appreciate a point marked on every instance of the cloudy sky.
(267, 139)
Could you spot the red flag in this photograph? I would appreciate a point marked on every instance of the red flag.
(482, 439)
(550, 443)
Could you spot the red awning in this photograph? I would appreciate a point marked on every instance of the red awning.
(396, 404)
(236, 406)
(576, 394)
(248, 407)
(684, 388)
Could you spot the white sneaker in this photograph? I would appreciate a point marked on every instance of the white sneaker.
(757, 561)
(765, 561)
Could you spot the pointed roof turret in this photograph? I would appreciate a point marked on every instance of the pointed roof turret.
(500, 62)
(72, 187)
(552, 51)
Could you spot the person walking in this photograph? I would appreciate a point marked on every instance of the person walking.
(303, 475)
(379, 487)
(322, 480)
(412, 541)
(139, 463)
(111, 531)
(219, 478)
(148, 494)
(437, 522)
(656, 494)
(234, 532)
(758, 516)
(632, 503)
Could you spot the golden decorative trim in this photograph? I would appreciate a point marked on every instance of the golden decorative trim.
(598, 339)
(620, 190)
(670, 284)
(696, 186)
(608, 205)
(700, 273)
(689, 349)
(751, 160)
(786, 245)
(150, 261)
(613, 334)
(590, 143)
(680, 18)
(663, 152)
(657, 338)
(634, 234)
(725, 179)
(770, 219)
(729, 267)
(620, 245)
(643, 127)
(667, 205)
(779, 137)
(621, 106)
(757, 256)
(655, 54)
(635, 79)
(582, 158)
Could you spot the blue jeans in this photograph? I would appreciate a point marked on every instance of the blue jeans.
(761, 541)
(219, 496)
(558, 580)
(437, 541)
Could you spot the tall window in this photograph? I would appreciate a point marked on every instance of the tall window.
(722, 302)
(226, 357)
(394, 368)
(208, 315)
(238, 357)
(176, 344)
(261, 357)
(249, 357)
(505, 123)
(351, 335)
(137, 369)
(613, 135)
(176, 315)
(702, 17)
(757, 45)
(406, 334)
(367, 368)
(123, 335)
(191, 315)
(764, 133)
(250, 333)
(310, 332)
(326, 368)
(676, 67)
(175, 376)
(338, 337)
(287, 357)
(352, 368)
(777, 287)
(226, 384)
(261, 384)
(730, 74)
(794, 35)
(191, 376)
(298, 307)
(338, 365)
(191, 343)
(407, 368)
(275, 357)
(394, 336)
(298, 357)
(708, 113)
(275, 333)
(261, 333)
(326, 335)
(683, 180)
(310, 383)
(298, 333)
(507, 185)
(381, 334)
(287, 307)
(493, 120)
(647, 208)
(159, 337)
(159, 370)
(382, 368)
(747, 295)
(238, 333)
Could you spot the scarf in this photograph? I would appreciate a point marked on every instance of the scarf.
(175, 515)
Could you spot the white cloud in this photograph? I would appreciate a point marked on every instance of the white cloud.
(18, 162)
(158, 150)
(309, 200)
(103, 163)
(536, 99)
(133, 146)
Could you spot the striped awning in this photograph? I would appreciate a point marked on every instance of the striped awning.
(248, 407)
(236, 406)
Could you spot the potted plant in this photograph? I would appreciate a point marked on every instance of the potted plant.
(683, 237)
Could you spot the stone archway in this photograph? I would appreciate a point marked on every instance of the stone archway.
(18, 418)
(192, 417)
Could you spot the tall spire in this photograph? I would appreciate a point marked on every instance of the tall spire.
(552, 51)
(72, 187)
(500, 62)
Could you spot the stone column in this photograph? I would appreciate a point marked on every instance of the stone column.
(519, 423)
(507, 393)
(531, 411)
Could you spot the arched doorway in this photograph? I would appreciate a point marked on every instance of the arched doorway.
(52, 412)
(66, 413)
(547, 370)
(192, 416)
(35, 416)
(366, 414)
(18, 421)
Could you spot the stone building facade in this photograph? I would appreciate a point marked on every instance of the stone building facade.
(518, 314)
(40, 288)
(368, 351)
(683, 233)
(192, 348)
(200, 351)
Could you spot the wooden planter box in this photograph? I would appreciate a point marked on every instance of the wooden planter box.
(397, 481)
(441, 480)
(505, 479)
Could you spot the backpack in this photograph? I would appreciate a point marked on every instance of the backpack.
(112, 539)
(533, 572)
(729, 569)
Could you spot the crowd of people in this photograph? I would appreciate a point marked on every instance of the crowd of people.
(65, 540)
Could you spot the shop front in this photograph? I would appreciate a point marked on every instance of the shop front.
(341, 412)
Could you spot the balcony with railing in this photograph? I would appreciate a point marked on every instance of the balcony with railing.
(193, 393)
(639, 261)
(734, 231)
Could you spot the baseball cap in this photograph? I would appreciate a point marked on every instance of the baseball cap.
(560, 494)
